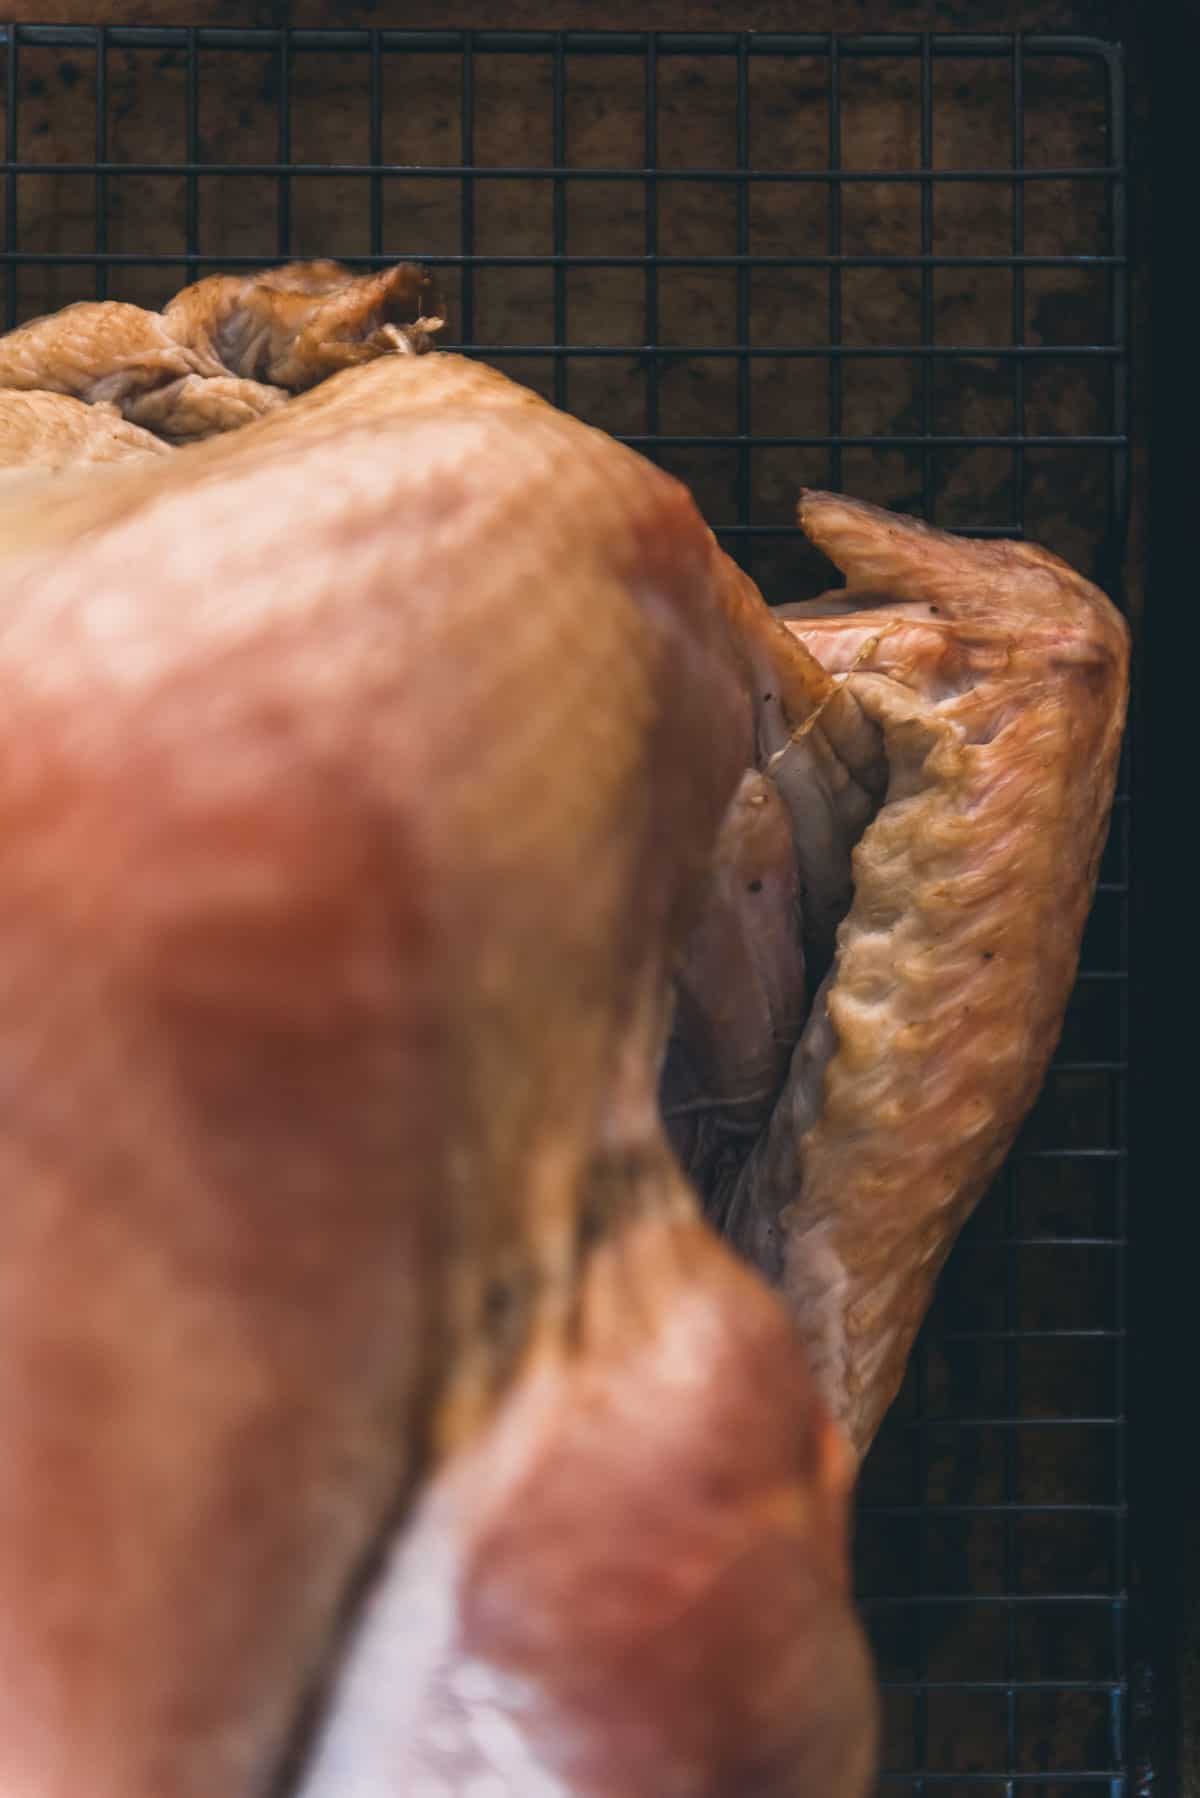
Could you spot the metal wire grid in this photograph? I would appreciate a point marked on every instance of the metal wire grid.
(992, 1525)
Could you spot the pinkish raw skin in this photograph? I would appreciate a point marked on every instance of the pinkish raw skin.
(997, 679)
(563, 1621)
(365, 766)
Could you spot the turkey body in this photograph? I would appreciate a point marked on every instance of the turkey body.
(380, 1414)
(437, 867)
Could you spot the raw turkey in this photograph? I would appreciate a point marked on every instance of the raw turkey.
(380, 1415)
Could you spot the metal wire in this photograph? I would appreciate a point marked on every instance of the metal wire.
(992, 1523)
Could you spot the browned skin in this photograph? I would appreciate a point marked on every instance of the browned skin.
(335, 959)
(294, 326)
(41, 433)
(226, 350)
(995, 681)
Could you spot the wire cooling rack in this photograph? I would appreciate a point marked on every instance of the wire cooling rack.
(891, 264)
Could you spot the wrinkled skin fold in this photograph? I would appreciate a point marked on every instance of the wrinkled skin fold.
(223, 352)
(376, 1402)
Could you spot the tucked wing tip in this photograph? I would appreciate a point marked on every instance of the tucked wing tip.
(818, 509)
(860, 538)
(1001, 579)
(827, 518)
